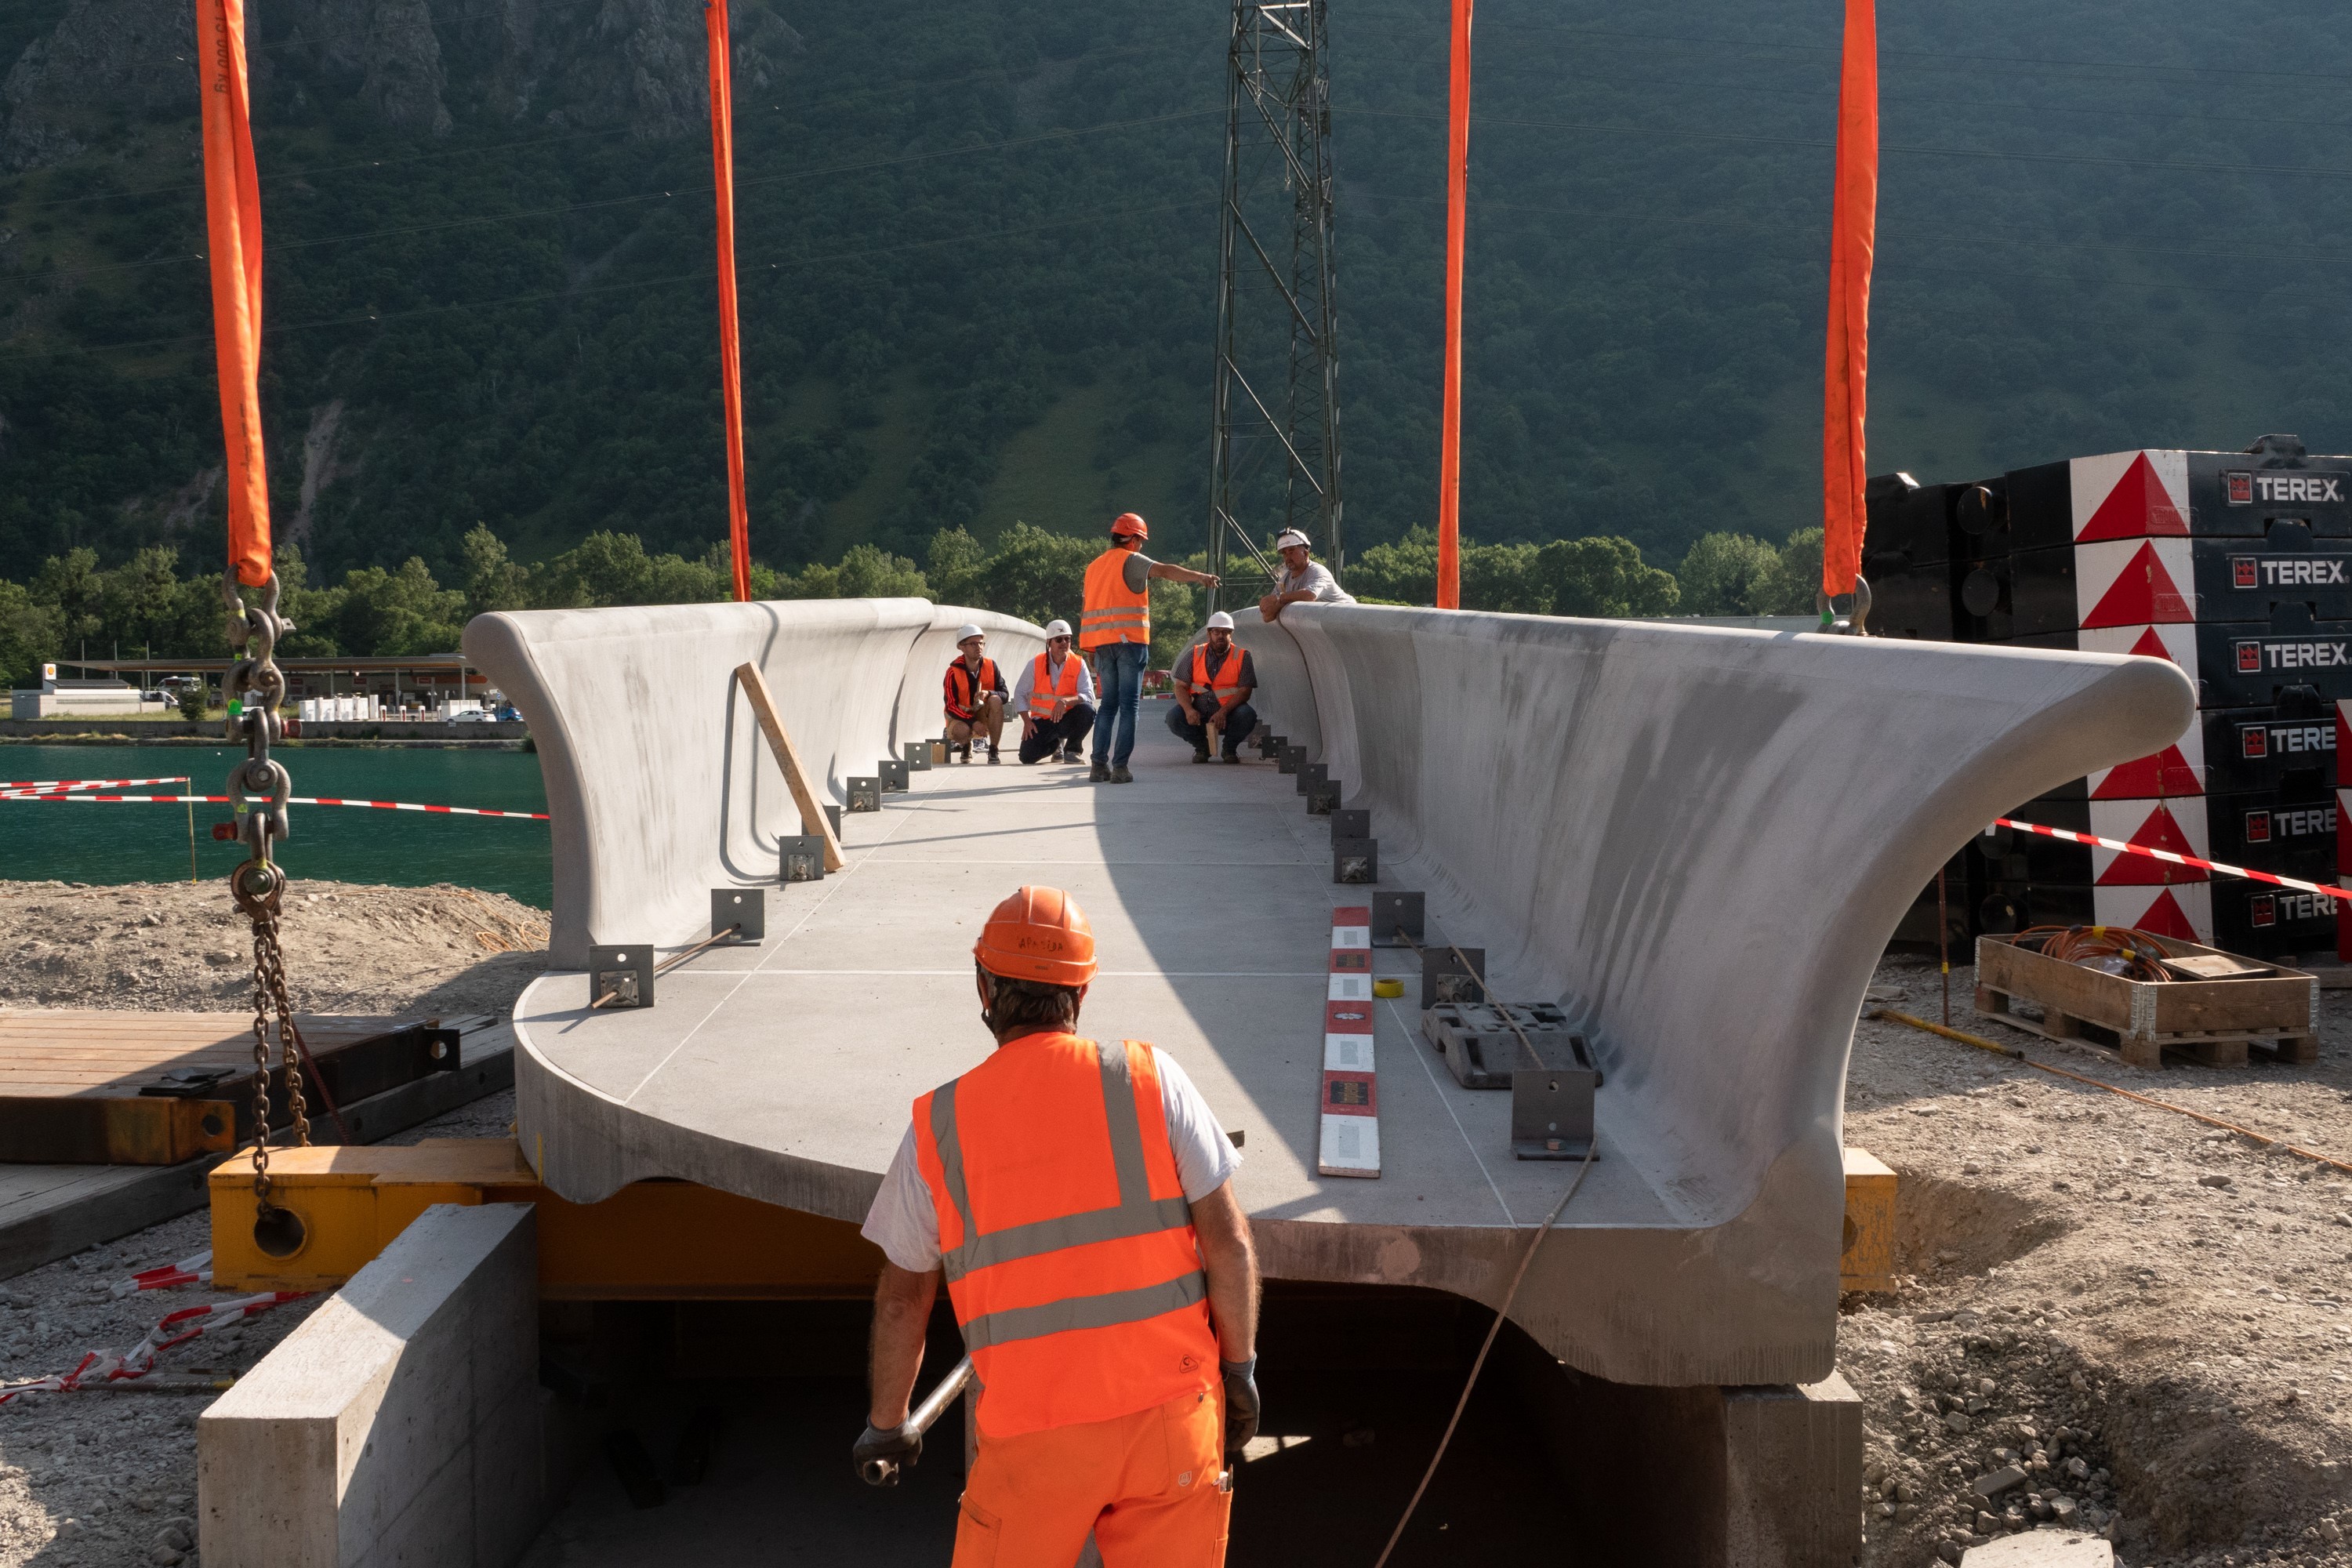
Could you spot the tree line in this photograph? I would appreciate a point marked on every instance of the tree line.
(150, 606)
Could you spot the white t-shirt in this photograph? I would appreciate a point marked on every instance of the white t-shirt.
(1315, 579)
(905, 1227)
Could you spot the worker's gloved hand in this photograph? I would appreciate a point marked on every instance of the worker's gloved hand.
(882, 1452)
(1241, 1402)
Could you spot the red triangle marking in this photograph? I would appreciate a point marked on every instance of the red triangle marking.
(2159, 832)
(2136, 508)
(2164, 919)
(2153, 647)
(2165, 773)
(2142, 591)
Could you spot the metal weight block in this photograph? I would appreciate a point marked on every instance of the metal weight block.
(800, 857)
(624, 972)
(1292, 759)
(746, 909)
(1552, 1109)
(1355, 859)
(865, 794)
(1323, 798)
(1481, 1049)
(892, 773)
(1391, 911)
(1312, 773)
(918, 755)
(1352, 823)
(1446, 978)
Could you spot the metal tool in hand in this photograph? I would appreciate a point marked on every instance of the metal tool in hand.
(254, 691)
(885, 1472)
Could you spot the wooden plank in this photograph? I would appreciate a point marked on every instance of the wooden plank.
(813, 817)
(1867, 1259)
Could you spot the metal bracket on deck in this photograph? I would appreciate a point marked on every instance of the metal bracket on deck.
(1446, 978)
(892, 773)
(1310, 774)
(865, 794)
(799, 857)
(745, 908)
(624, 973)
(1322, 797)
(1355, 859)
(1391, 911)
(918, 755)
(1291, 760)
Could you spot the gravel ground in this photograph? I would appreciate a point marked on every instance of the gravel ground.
(179, 946)
(2142, 1317)
(2148, 1320)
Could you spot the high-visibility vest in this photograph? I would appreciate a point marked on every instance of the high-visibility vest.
(1064, 1234)
(1228, 679)
(1045, 690)
(1114, 613)
(963, 691)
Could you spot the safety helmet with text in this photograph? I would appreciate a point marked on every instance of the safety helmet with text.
(1040, 934)
(1127, 524)
(1057, 629)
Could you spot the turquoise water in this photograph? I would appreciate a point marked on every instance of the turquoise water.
(106, 844)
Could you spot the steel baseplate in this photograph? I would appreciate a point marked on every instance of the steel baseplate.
(1291, 759)
(918, 755)
(624, 972)
(745, 908)
(1552, 1109)
(1446, 978)
(892, 773)
(1481, 1050)
(865, 794)
(1323, 798)
(1391, 912)
(1269, 745)
(1312, 773)
(1355, 859)
(1353, 822)
(833, 815)
(800, 857)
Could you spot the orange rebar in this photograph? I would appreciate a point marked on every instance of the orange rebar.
(730, 351)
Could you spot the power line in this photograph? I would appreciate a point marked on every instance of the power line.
(857, 165)
(547, 296)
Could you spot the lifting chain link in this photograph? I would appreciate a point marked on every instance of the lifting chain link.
(253, 692)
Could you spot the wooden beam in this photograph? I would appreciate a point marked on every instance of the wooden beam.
(813, 817)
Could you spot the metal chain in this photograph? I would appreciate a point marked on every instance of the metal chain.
(254, 691)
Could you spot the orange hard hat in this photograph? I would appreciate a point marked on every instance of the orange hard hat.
(1038, 934)
(1128, 522)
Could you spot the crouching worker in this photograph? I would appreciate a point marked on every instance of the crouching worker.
(1074, 1195)
(1056, 699)
(975, 695)
(1213, 681)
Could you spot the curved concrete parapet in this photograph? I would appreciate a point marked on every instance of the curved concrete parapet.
(1698, 841)
(659, 785)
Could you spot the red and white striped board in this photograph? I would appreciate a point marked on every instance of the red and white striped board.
(2134, 582)
(2177, 770)
(295, 800)
(2130, 495)
(1348, 1139)
(2185, 911)
(2175, 640)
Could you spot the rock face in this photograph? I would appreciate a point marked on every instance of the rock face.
(420, 67)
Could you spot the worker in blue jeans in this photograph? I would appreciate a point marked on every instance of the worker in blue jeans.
(1115, 631)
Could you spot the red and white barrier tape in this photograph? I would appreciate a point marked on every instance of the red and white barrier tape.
(197, 1271)
(24, 786)
(297, 800)
(175, 1328)
(2174, 857)
(1348, 1141)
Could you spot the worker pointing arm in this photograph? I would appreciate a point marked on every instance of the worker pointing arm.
(1115, 631)
(1073, 1196)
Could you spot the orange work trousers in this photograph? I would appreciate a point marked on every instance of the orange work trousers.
(1145, 1485)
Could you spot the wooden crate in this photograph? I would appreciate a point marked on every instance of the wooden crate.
(2211, 1020)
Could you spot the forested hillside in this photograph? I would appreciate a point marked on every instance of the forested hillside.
(977, 243)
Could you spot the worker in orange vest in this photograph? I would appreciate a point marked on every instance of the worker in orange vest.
(1115, 631)
(1056, 698)
(1076, 1196)
(973, 688)
(1213, 679)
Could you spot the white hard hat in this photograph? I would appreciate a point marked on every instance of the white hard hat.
(967, 633)
(1057, 628)
(1291, 536)
(1221, 622)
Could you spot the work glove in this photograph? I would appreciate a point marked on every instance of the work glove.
(880, 1454)
(1241, 1402)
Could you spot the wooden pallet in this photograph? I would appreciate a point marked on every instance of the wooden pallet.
(2210, 1021)
(78, 1086)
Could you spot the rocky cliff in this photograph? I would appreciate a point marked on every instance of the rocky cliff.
(414, 65)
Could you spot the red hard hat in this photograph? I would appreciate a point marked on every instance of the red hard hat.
(1038, 934)
(1128, 522)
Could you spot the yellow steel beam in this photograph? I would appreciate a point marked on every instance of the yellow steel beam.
(659, 1240)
